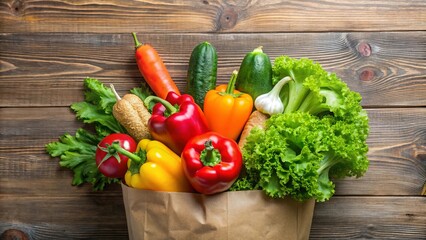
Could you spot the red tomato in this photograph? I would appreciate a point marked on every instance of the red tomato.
(111, 163)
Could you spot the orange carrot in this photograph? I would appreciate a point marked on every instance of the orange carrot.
(153, 69)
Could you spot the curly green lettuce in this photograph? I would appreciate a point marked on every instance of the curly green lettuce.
(298, 153)
(320, 136)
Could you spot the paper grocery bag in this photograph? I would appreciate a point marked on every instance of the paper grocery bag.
(228, 215)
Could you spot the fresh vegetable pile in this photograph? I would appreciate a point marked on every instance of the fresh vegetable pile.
(287, 128)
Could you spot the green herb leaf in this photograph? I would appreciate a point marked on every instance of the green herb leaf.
(99, 95)
(91, 113)
(77, 153)
(144, 92)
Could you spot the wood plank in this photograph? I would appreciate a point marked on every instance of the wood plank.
(370, 218)
(388, 69)
(84, 230)
(211, 16)
(397, 152)
(86, 216)
(99, 216)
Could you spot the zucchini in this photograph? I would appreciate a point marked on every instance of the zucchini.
(255, 74)
(202, 72)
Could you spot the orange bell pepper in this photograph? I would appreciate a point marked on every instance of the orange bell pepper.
(227, 110)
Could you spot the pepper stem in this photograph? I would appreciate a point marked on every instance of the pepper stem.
(231, 85)
(210, 156)
(170, 108)
(135, 38)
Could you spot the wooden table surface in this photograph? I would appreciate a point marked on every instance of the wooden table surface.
(48, 47)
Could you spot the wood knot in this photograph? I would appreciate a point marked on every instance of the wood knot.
(17, 7)
(367, 74)
(228, 18)
(364, 49)
(14, 234)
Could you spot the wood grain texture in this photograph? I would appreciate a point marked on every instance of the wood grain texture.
(211, 16)
(48, 47)
(339, 218)
(65, 217)
(388, 69)
(370, 218)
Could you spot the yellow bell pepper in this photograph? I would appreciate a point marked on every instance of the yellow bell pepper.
(158, 168)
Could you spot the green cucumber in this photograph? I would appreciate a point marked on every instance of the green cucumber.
(255, 74)
(202, 72)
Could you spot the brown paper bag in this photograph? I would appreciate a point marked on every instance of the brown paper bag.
(229, 215)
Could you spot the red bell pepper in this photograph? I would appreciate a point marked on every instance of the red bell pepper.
(211, 162)
(175, 120)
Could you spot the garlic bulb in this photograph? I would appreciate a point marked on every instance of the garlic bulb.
(270, 103)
